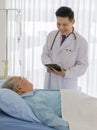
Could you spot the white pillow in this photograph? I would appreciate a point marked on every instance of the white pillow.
(12, 104)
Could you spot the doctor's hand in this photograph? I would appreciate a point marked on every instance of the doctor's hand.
(52, 70)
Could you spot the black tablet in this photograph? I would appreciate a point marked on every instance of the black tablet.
(55, 66)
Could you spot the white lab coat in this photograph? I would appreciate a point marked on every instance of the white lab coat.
(72, 55)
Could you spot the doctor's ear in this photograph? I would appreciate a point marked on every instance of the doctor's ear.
(73, 21)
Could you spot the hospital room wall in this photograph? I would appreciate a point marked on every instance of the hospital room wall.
(2, 37)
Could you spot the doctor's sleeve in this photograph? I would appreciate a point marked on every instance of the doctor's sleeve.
(45, 57)
(81, 63)
(46, 52)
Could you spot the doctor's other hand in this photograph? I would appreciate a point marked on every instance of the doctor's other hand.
(52, 70)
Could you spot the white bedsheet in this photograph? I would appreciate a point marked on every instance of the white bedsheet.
(79, 109)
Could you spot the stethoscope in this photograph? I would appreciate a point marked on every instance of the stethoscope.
(66, 37)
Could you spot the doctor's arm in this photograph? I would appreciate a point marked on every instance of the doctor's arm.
(45, 57)
(46, 53)
(81, 63)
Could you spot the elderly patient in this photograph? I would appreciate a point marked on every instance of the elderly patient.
(45, 104)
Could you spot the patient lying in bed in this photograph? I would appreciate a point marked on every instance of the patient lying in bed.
(46, 105)
(78, 110)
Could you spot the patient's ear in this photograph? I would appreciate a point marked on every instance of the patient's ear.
(18, 89)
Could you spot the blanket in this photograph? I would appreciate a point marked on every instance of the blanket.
(79, 109)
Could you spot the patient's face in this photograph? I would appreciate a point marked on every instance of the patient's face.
(23, 85)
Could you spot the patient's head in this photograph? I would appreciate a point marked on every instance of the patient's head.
(18, 84)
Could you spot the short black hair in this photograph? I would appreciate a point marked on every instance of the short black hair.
(65, 12)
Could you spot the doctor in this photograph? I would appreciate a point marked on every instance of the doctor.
(68, 49)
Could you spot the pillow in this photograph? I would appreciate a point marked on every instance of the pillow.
(12, 104)
(1, 83)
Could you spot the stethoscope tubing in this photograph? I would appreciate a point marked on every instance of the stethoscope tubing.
(66, 37)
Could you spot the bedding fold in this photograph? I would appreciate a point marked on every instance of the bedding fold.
(79, 109)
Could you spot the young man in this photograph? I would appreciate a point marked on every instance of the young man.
(45, 104)
(66, 48)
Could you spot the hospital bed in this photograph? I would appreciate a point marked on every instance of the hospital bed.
(78, 108)
(8, 122)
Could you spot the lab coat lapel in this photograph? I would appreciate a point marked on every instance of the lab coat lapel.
(67, 43)
(56, 47)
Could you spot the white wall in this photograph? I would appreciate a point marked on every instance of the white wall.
(2, 36)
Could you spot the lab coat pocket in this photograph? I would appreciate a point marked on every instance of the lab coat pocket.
(68, 56)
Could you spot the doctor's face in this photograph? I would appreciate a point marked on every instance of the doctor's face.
(64, 24)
